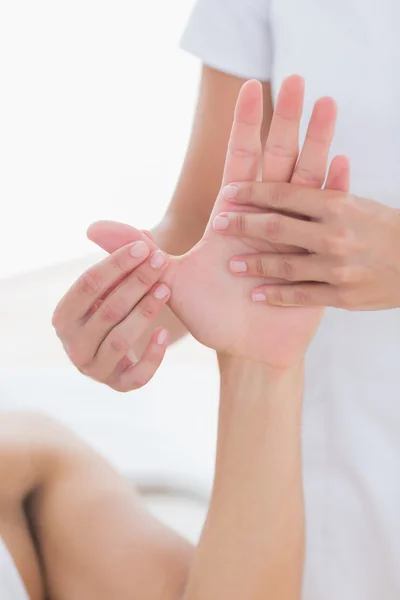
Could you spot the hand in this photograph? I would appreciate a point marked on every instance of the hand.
(216, 308)
(354, 247)
(109, 308)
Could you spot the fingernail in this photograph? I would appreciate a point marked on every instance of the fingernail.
(258, 297)
(230, 191)
(139, 250)
(238, 266)
(158, 259)
(161, 337)
(161, 291)
(221, 222)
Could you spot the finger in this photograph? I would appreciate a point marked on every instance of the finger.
(304, 294)
(137, 376)
(274, 228)
(93, 284)
(282, 197)
(282, 145)
(244, 148)
(111, 235)
(339, 174)
(290, 267)
(313, 161)
(119, 304)
(122, 338)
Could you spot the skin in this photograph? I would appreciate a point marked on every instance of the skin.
(204, 266)
(353, 247)
(85, 517)
(96, 540)
(115, 303)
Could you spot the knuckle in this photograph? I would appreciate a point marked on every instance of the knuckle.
(79, 357)
(120, 387)
(299, 295)
(260, 267)
(242, 152)
(89, 283)
(305, 176)
(335, 206)
(252, 193)
(147, 308)
(281, 150)
(118, 343)
(273, 227)
(116, 262)
(241, 224)
(275, 296)
(113, 312)
(287, 268)
(144, 277)
(58, 321)
(336, 245)
(343, 274)
(276, 195)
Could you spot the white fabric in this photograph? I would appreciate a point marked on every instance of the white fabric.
(11, 585)
(348, 49)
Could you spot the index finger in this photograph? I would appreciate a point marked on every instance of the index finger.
(95, 282)
(281, 197)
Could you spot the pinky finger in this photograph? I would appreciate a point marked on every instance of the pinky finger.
(139, 374)
(339, 175)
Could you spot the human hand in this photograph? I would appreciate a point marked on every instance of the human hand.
(108, 309)
(226, 319)
(354, 247)
(216, 308)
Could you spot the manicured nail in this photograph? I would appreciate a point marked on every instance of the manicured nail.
(221, 222)
(158, 259)
(161, 337)
(161, 291)
(238, 266)
(139, 250)
(258, 297)
(230, 191)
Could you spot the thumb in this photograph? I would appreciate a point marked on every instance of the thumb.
(111, 235)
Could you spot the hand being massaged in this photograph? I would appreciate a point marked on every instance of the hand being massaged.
(106, 311)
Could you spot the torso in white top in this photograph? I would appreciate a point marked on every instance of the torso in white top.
(348, 49)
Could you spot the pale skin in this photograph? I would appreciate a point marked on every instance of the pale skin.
(205, 266)
(86, 518)
(353, 244)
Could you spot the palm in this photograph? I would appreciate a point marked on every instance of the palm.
(215, 306)
(218, 311)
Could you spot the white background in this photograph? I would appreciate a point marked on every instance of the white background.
(96, 103)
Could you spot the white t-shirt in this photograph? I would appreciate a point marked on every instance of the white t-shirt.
(349, 49)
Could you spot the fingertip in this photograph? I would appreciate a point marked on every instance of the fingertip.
(294, 81)
(92, 228)
(249, 107)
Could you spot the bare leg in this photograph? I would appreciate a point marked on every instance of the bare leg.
(95, 538)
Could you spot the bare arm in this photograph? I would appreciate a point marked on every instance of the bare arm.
(97, 540)
(253, 540)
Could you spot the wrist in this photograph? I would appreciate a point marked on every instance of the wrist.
(251, 390)
(238, 369)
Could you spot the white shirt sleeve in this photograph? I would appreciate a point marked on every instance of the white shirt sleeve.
(232, 36)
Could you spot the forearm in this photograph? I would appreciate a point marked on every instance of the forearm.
(252, 543)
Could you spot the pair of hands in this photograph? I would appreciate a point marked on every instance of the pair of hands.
(107, 310)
